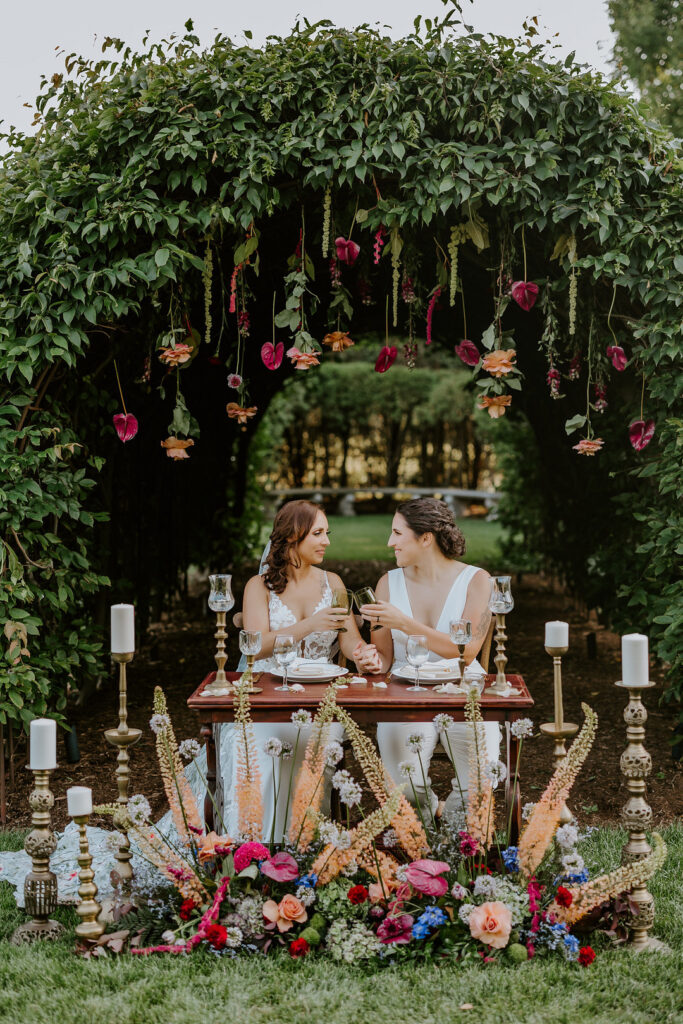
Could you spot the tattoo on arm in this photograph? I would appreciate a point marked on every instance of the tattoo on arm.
(483, 626)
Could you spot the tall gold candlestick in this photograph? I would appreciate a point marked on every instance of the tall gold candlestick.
(40, 885)
(559, 730)
(501, 684)
(123, 737)
(88, 909)
(221, 683)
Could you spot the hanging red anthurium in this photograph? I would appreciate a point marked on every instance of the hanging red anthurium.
(272, 355)
(347, 251)
(386, 358)
(524, 292)
(640, 433)
(618, 357)
(468, 352)
(125, 424)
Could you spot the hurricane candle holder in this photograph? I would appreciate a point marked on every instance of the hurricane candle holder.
(559, 730)
(123, 737)
(220, 602)
(40, 884)
(500, 604)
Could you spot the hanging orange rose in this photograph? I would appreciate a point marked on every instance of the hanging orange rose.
(495, 405)
(500, 362)
(302, 360)
(338, 341)
(588, 446)
(175, 448)
(240, 413)
(175, 356)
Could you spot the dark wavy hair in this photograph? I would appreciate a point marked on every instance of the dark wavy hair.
(292, 523)
(429, 515)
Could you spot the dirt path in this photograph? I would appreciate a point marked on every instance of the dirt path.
(179, 652)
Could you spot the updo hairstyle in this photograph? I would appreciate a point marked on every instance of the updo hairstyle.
(292, 523)
(429, 515)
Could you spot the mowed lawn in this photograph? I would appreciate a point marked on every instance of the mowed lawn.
(365, 538)
(49, 984)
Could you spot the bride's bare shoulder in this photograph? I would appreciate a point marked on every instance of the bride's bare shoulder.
(255, 587)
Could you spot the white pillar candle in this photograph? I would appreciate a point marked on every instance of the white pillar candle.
(557, 634)
(79, 801)
(122, 629)
(43, 744)
(635, 669)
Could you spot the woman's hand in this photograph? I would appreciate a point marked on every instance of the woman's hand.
(327, 619)
(384, 614)
(366, 657)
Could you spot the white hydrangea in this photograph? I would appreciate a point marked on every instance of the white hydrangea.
(328, 832)
(352, 941)
(567, 836)
(343, 840)
(516, 900)
(340, 778)
(233, 937)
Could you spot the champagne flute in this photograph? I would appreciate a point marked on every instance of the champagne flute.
(342, 599)
(460, 632)
(417, 654)
(366, 595)
(284, 652)
(250, 645)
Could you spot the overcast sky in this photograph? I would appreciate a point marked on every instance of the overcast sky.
(32, 29)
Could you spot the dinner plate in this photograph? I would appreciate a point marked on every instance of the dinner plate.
(312, 672)
(428, 676)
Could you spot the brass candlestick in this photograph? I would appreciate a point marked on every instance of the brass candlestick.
(40, 885)
(636, 814)
(88, 909)
(501, 684)
(123, 737)
(559, 730)
(221, 683)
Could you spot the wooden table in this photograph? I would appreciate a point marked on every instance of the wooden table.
(368, 705)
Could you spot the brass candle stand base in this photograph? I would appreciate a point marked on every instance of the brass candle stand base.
(559, 735)
(220, 687)
(40, 884)
(88, 909)
(501, 685)
(123, 737)
(636, 814)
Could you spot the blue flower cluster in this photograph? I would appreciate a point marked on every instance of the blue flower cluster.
(432, 917)
(510, 858)
(550, 935)
(308, 881)
(571, 947)
(578, 879)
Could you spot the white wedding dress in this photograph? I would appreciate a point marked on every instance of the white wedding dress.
(392, 737)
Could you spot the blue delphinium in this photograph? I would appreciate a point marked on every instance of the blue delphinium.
(430, 918)
(571, 947)
(510, 858)
(308, 881)
(420, 930)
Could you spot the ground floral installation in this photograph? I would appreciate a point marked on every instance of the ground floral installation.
(381, 887)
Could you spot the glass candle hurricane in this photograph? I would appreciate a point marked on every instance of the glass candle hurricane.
(220, 597)
(501, 601)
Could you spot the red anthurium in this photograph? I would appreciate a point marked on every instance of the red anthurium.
(524, 293)
(347, 251)
(126, 426)
(272, 355)
(386, 358)
(640, 433)
(468, 352)
(423, 875)
(281, 867)
(618, 357)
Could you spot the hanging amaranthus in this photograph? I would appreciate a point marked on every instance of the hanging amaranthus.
(396, 246)
(573, 286)
(480, 819)
(458, 235)
(207, 278)
(248, 786)
(327, 209)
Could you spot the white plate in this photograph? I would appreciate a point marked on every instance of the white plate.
(428, 676)
(312, 672)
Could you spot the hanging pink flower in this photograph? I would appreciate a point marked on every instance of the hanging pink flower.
(125, 425)
(468, 352)
(575, 368)
(234, 381)
(378, 244)
(302, 360)
(281, 867)
(618, 357)
(640, 433)
(424, 875)
(386, 358)
(272, 355)
(347, 251)
(553, 382)
(233, 289)
(588, 446)
(524, 293)
(600, 398)
(243, 322)
(430, 313)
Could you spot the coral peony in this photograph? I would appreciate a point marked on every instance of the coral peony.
(468, 352)
(302, 360)
(490, 923)
(640, 433)
(396, 930)
(125, 425)
(386, 358)
(588, 446)
(247, 852)
(524, 293)
(272, 355)
(618, 357)
(285, 913)
(423, 875)
(175, 448)
(281, 867)
(500, 362)
(338, 341)
(495, 405)
(347, 251)
(175, 356)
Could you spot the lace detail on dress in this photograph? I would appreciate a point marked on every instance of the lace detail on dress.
(319, 646)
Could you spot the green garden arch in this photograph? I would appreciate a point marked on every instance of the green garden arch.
(172, 195)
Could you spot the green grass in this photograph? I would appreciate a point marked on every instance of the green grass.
(365, 538)
(48, 983)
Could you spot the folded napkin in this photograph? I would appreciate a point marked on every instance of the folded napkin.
(309, 666)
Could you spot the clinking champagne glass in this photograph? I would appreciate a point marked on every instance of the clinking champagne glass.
(342, 599)
(366, 595)
(417, 654)
(460, 632)
(284, 652)
(250, 645)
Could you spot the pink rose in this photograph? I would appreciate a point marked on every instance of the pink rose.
(281, 867)
(491, 923)
(423, 875)
(285, 913)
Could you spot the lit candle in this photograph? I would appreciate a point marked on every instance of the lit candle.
(43, 748)
(79, 801)
(557, 634)
(634, 660)
(122, 629)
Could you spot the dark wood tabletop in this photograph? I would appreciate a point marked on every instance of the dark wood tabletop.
(367, 703)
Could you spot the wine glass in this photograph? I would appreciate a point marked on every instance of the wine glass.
(250, 645)
(501, 601)
(460, 632)
(417, 654)
(366, 595)
(284, 652)
(342, 599)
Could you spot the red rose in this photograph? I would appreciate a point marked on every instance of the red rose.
(186, 909)
(357, 894)
(586, 956)
(563, 897)
(299, 948)
(216, 935)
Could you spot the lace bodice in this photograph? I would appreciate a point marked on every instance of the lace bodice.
(319, 646)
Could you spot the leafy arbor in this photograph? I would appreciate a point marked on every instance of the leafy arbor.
(172, 199)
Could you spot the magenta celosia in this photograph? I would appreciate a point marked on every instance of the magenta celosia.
(247, 852)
